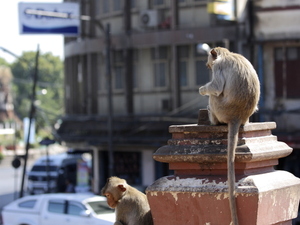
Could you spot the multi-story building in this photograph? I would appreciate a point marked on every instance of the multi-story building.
(277, 38)
(123, 88)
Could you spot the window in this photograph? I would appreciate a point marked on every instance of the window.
(117, 5)
(183, 73)
(158, 2)
(119, 74)
(134, 76)
(128, 167)
(27, 204)
(119, 70)
(133, 4)
(56, 206)
(159, 57)
(278, 54)
(159, 74)
(100, 207)
(44, 168)
(159, 53)
(202, 72)
(287, 70)
(135, 68)
(183, 53)
(99, 71)
(75, 208)
(112, 6)
(105, 6)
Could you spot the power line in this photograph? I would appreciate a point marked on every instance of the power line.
(40, 83)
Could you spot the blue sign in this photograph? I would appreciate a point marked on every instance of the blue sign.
(41, 23)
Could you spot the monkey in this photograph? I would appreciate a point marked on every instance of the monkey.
(234, 92)
(132, 207)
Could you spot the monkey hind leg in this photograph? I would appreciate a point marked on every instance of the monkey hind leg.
(212, 118)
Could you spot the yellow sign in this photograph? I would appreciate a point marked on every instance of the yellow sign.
(225, 8)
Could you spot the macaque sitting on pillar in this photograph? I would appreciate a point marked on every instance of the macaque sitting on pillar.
(132, 207)
(233, 97)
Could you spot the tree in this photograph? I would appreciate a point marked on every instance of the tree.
(50, 77)
(3, 62)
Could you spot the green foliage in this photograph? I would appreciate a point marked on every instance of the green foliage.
(6, 139)
(1, 156)
(50, 77)
(3, 62)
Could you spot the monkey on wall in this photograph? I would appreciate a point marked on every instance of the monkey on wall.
(132, 207)
(234, 93)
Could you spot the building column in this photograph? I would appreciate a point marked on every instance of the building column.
(128, 56)
(147, 168)
(175, 80)
(96, 168)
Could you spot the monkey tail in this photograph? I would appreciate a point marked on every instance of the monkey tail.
(233, 131)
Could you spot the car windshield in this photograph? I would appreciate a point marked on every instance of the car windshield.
(100, 207)
(44, 168)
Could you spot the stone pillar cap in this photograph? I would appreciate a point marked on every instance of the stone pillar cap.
(208, 144)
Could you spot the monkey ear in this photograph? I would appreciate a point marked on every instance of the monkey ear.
(214, 53)
(121, 187)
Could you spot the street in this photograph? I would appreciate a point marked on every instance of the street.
(10, 183)
(11, 180)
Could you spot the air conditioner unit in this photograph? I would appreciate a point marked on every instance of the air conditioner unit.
(150, 18)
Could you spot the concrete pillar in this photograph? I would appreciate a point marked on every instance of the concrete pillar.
(147, 168)
(96, 174)
(197, 193)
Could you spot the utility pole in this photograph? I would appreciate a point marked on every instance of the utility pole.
(31, 114)
(110, 102)
(128, 60)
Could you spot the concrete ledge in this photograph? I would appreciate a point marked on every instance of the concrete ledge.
(262, 199)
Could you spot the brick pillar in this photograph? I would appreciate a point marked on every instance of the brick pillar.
(197, 193)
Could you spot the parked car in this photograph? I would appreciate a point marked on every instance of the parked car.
(49, 174)
(56, 209)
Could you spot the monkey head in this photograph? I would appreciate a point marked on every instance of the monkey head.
(114, 189)
(215, 54)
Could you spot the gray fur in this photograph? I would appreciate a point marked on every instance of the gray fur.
(233, 97)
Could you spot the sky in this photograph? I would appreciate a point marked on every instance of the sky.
(18, 43)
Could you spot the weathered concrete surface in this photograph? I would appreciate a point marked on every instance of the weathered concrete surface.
(206, 143)
(262, 199)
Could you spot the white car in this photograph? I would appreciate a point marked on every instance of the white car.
(57, 209)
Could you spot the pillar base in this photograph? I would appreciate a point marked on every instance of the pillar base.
(262, 199)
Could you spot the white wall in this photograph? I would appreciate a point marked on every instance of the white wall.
(277, 22)
(148, 168)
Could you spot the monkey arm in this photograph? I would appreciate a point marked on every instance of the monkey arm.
(216, 86)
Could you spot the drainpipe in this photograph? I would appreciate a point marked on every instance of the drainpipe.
(260, 72)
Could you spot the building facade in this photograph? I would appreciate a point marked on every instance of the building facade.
(135, 70)
(277, 37)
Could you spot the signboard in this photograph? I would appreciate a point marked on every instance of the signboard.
(82, 176)
(32, 130)
(44, 24)
(223, 8)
